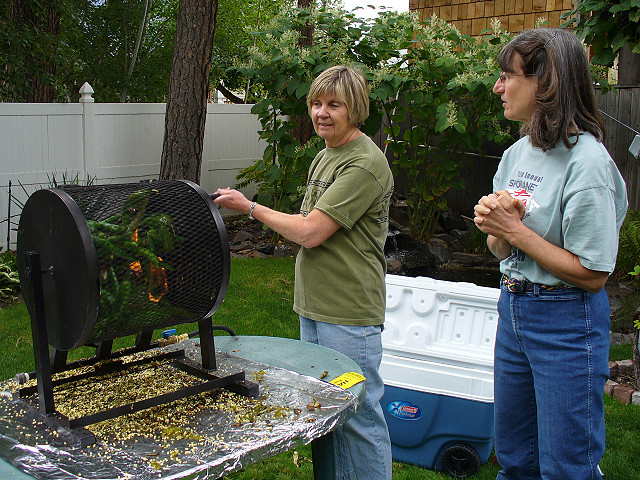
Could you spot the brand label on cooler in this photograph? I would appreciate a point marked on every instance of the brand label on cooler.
(404, 410)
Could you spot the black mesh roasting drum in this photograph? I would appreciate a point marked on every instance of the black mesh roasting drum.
(123, 259)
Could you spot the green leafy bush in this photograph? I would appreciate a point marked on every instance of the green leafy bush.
(629, 248)
(443, 96)
(283, 76)
(628, 262)
(9, 281)
(429, 85)
(606, 26)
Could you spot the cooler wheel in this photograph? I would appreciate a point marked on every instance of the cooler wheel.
(460, 461)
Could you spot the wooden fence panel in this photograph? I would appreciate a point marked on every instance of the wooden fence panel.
(624, 106)
(477, 174)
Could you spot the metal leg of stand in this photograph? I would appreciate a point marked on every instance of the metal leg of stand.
(103, 350)
(39, 334)
(143, 340)
(58, 359)
(207, 346)
(323, 453)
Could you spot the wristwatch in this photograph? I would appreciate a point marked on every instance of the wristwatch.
(253, 205)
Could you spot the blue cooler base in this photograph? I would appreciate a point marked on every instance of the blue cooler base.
(424, 427)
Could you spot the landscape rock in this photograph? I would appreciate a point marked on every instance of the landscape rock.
(285, 250)
(439, 241)
(617, 338)
(244, 245)
(394, 266)
(456, 246)
(609, 387)
(623, 393)
(440, 252)
(415, 259)
(464, 236)
(443, 237)
(241, 236)
(267, 248)
(625, 367)
(450, 220)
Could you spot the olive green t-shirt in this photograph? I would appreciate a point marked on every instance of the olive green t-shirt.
(342, 280)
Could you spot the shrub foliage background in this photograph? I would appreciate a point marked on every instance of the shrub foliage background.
(430, 89)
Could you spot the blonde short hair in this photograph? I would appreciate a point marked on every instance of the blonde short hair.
(346, 83)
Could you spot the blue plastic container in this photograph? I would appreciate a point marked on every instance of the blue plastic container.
(437, 366)
(426, 428)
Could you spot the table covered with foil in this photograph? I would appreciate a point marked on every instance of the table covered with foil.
(199, 437)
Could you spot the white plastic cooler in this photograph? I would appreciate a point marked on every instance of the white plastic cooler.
(437, 367)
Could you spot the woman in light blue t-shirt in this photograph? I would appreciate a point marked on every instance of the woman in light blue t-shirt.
(553, 221)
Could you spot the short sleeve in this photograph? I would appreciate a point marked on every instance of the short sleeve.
(589, 227)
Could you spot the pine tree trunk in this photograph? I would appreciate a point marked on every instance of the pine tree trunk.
(47, 23)
(188, 90)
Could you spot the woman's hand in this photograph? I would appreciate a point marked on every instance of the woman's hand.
(498, 213)
(500, 216)
(233, 200)
(495, 213)
(309, 231)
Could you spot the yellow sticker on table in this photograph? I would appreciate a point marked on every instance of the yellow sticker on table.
(347, 380)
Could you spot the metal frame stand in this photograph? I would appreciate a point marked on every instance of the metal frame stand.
(57, 362)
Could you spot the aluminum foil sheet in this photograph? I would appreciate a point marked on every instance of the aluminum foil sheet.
(298, 410)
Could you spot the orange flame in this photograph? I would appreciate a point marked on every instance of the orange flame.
(158, 286)
(136, 268)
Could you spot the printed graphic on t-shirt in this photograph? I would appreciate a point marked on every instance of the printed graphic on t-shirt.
(526, 198)
(382, 215)
(515, 257)
(315, 189)
(525, 181)
(522, 188)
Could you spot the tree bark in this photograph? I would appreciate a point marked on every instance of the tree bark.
(188, 90)
(46, 27)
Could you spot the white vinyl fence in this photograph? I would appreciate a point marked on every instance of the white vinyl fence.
(113, 142)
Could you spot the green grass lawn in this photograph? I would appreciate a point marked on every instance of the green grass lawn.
(258, 302)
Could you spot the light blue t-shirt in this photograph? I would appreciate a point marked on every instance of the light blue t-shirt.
(574, 198)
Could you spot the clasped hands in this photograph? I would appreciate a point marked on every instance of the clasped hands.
(497, 213)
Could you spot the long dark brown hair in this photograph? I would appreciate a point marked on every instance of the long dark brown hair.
(565, 101)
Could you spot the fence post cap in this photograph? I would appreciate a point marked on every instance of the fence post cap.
(86, 92)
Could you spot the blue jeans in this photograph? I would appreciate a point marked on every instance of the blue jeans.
(363, 447)
(551, 364)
